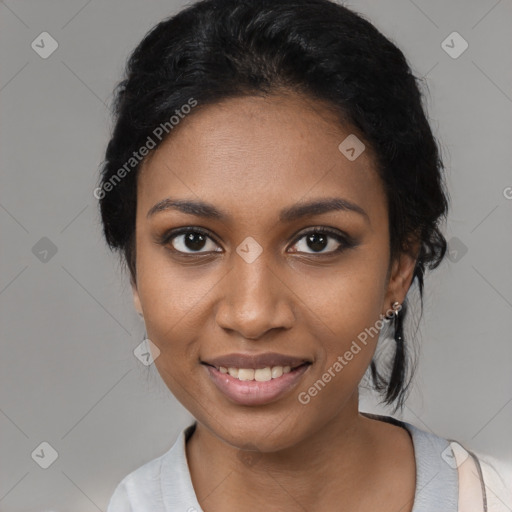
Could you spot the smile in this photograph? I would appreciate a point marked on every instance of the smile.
(248, 386)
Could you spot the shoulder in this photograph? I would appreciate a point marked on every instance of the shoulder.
(491, 476)
(489, 479)
(139, 489)
(436, 478)
(158, 484)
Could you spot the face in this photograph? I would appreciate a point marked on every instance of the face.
(244, 271)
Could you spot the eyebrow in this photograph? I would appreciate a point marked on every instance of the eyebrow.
(295, 212)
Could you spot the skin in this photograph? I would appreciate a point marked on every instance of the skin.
(251, 157)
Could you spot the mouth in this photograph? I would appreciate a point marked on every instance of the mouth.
(256, 386)
(262, 374)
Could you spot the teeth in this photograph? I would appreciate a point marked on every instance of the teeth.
(245, 374)
(263, 374)
(259, 375)
(277, 371)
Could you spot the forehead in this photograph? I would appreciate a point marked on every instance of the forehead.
(255, 151)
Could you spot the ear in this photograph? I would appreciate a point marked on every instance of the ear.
(136, 299)
(401, 274)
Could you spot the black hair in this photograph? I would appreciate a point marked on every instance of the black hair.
(219, 49)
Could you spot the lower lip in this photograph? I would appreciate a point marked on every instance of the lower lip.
(251, 392)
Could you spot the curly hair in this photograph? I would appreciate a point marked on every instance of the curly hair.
(219, 49)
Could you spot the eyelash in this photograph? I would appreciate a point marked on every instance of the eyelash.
(345, 241)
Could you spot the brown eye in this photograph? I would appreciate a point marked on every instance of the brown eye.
(190, 241)
(320, 239)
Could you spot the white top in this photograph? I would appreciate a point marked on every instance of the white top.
(164, 484)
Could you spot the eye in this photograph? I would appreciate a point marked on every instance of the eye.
(319, 239)
(197, 241)
(190, 241)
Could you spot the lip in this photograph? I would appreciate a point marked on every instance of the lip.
(251, 392)
(238, 360)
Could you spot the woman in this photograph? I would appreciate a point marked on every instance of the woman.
(274, 188)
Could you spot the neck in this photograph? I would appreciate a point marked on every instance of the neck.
(223, 474)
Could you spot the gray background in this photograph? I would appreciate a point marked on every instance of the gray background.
(68, 327)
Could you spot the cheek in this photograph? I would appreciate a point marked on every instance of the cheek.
(177, 304)
(172, 305)
(169, 301)
(344, 352)
(345, 316)
(170, 292)
(347, 298)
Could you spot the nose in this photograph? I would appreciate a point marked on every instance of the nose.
(255, 300)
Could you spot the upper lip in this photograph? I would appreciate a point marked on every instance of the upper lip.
(256, 361)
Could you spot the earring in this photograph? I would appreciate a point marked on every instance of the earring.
(399, 334)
